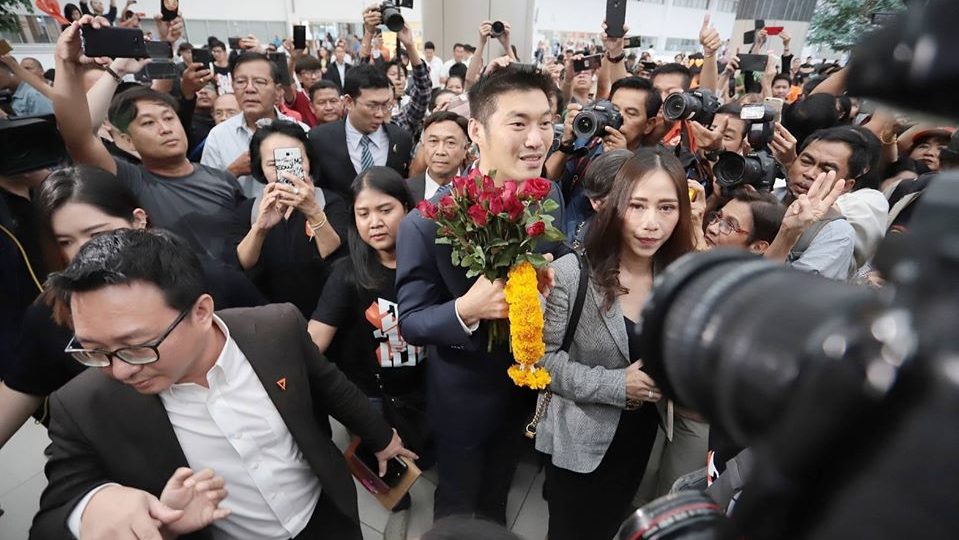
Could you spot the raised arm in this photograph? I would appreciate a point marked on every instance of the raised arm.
(412, 114)
(38, 83)
(475, 68)
(709, 39)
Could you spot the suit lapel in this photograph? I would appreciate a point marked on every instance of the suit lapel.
(418, 187)
(613, 319)
(342, 148)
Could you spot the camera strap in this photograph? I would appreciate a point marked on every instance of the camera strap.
(811, 233)
(546, 396)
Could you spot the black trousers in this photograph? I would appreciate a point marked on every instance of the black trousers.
(476, 480)
(328, 522)
(592, 506)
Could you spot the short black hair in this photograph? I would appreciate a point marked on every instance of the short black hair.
(809, 115)
(429, 45)
(437, 92)
(782, 77)
(399, 65)
(448, 116)
(307, 63)
(458, 69)
(653, 101)
(282, 127)
(248, 57)
(183, 47)
(365, 77)
(323, 84)
(482, 95)
(124, 107)
(455, 45)
(865, 152)
(214, 43)
(129, 255)
(767, 213)
(671, 68)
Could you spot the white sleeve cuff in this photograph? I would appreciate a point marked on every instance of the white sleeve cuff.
(468, 329)
(73, 522)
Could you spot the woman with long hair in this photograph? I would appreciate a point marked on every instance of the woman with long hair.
(601, 422)
(74, 205)
(356, 322)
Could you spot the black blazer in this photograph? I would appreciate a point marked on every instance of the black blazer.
(336, 170)
(333, 74)
(417, 186)
(469, 392)
(105, 431)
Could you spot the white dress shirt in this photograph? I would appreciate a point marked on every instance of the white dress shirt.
(436, 71)
(231, 139)
(379, 147)
(341, 69)
(234, 428)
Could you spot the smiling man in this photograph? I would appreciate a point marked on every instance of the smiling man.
(476, 413)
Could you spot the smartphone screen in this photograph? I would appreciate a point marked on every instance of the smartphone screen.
(395, 468)
(299, 37)
(776, 104)
(615, 18)
(774, 30)
(288, 160)
(588, 62)
(113, 42)
(633, 42)
(234, 43)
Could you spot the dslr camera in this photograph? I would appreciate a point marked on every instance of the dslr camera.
(758, 169)
(593, 119)
(699, 105)
(497, 29)
(392, 17)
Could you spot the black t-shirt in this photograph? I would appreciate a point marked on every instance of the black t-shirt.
(290, 268)
(40, 366)
(368, 340)
(198, 207)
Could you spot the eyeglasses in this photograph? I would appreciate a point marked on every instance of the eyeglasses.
(136, 355)
(258, 83)
(377, 107)
(726, 225)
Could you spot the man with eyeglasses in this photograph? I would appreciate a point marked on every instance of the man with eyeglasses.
(243, 392)
(257, 89)
(365, 138)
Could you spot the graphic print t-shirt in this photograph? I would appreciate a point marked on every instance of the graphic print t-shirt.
(368, 339)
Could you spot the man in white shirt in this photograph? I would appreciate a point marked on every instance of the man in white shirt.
(337, 71)
(434, 62)
(459, 53)
(243, 392)
(444, 142)
(256, 82)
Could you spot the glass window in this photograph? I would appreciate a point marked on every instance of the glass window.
(695, 4)
(682, 45)
(729, 6)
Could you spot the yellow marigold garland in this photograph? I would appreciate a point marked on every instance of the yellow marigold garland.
(526, 327)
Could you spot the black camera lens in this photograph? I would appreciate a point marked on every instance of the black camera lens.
(698, 105)
(498, 29)
(678, 106)
(392, 17)
(585, 125)
(593, 120)
(757, 169)
(688, 515)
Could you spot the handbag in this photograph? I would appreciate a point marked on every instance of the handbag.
(546, 396)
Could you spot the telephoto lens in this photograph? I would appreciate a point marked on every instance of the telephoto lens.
(688, 515)
(392, 17)
(592, 120)
(698, 105)
(498, 29)
(757, 169)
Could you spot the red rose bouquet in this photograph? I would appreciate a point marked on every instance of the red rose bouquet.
(493, 232)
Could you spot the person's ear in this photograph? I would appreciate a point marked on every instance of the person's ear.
(477, 132)
(139, 218)
(596, 204)
(759, 247)
(347, 102)
(203, 311)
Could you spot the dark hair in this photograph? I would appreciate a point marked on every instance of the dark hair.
(429, 45)
(598, 179)
(844, 104)
(307, 63)
(604, 237)
(669, 69)
(184, 46)
(437, 92)
(782, 77)
(455, 76)
(557, 93)
(69, 10)
(247, 57)
(767, 213)
(810, 114)
(455, 45)
(865, 152)
(652, 102)
(482, 95)
(467, 528)
(365, 77)
(128, 255)
(447, 116)
(50, 74)
(214, 43)
(282, 127)
(125, 107)
(323, 84)
(365, 260)
(458, 69)
(398, 63)
(88, 185)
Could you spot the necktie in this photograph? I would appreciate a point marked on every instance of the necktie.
(366, 158)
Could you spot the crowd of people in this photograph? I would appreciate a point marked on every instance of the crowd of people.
(231, 303)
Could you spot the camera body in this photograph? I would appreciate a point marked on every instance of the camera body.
(497, 29)
(698, 105)
(392, 17)
(757, 169)
(593, 119)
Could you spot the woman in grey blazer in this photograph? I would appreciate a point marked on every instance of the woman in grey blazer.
(601, 422)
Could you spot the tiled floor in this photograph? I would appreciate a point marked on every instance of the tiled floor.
(22, 480)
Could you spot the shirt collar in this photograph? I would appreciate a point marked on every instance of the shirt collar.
(241, 126)
(353, 135)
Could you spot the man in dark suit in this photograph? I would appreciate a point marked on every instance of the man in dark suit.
(243, 392)
(365, 138)
(336, 72)
(445, 141)
(476, 412)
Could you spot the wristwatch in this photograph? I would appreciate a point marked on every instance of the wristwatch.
(566, 148)
(616, 59)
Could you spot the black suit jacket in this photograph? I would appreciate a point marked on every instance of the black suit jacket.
(469, 392)
(336, 170)
(105, 431)
(417, 186)
(333, 74)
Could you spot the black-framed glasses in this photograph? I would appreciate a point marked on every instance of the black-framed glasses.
(136, 355)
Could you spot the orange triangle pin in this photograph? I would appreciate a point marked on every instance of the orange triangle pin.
(281, 383)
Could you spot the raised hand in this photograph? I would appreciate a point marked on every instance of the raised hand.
(271, 210)
(783, 145)
(120, 512)
(195, 77)
(170, 31)
(70, 44)
(709, 38)
(710, 138)
(813, 205)
(614, 45)
(198, 495)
